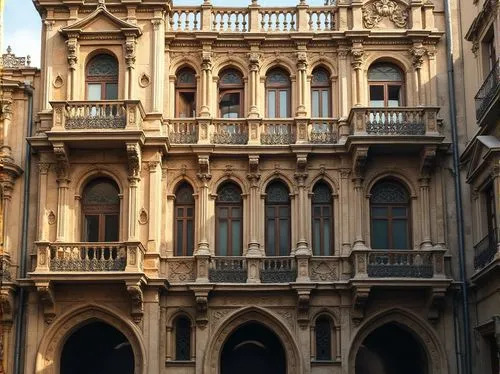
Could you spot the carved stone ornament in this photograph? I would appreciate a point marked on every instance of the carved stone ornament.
(143, 216)
(47, 298)
(134, 159)
(72, 47)
(358, 55)
(130, 53)
(144, 80)
(58, 81)
(137, 302)
(417, 54)
(204, 168)
(375, 11)
(51, 218)
(61, 153)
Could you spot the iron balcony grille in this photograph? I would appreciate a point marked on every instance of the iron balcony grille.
(485, 250)
(488, 91)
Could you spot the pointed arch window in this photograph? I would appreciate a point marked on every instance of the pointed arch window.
(101, 211)
(231, 94)
(184, 208)
(182, 333)
(102, 78)
(390, 212)
(323, 334)
(229, 220)
(386, 83)
(185, 93)
(278, 94)
(320, 93)
(278, 220)
(322, 220)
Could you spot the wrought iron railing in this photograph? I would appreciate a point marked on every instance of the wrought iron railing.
(183, 131)
(485, 250)
(278, 270)
(230, 132)
(277, 132)
(228, 270)
(488, 91)
(88, 257)
(323, 131)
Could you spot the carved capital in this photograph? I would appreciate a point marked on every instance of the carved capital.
(417, 53)
(359, 162)
(156, 24)
(130, 51)
(358, 55)
(43, 168)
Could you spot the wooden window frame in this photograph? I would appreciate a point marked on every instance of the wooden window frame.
(386, 84)
(185, 87)
(333, 342)
(175, 337)
(102, 80)
(277, 219)
(277, 88)
(321, 87)
(321, 218)
(184, 251)
(229, 219)
(491, 219)
(227, 88)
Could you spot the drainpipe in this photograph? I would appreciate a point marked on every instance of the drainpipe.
(20, 315)
(465, 360)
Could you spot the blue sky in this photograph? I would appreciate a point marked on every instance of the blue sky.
(22, 23)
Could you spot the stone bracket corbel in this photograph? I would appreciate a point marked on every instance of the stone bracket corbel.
(48, 300)
(253, 168)
(201, 300)
(360, 297)
(303, 304)
(359, 159)
(134, 158)
(427, 160)
(435, 303)
(7, 304)
(204, 167)
(61, 153)
(137, 301)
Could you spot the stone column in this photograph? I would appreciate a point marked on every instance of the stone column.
(134, 155)
(206, 75)
(47, 47)
(432, 80)
(303, 252)
(344, 211)
(418, 52)
(301, 81)
(130, 62)
(357, 53)
(202, 253)
(253, 86)
(62, 205)
(6, 118)
(7, 187)
(154, 205)
(43, 169)
(359, 242)
(158, 63)
(426, 214)
(253, 204)
(152, 329)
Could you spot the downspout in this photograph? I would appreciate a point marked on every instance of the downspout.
(20, 315)
(466, 351)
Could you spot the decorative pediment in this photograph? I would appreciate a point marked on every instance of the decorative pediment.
(375, 12)
(101, 22)
(484, 146)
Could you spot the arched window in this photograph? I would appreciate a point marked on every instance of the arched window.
(101, 211)
(185, 93)
(229, 221)
(278, 225)
(390, 212)
(386, 82)
(102, 78)
(182, 333)
(231, 94)
(322, 220)
(323, 332)
(320, 93)
(184, 220)
(278, 94)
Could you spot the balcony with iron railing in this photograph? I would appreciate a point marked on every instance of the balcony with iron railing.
(488, 94)
(485, 251)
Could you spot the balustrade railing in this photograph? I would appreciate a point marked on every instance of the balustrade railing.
(489, 89)
(230, 132)
(399, 263)
(185, 19)
(278, 19)
(228, 270)
(88, 257)
(276, 132)
(230, 19)
(321, 19)
(323, 131)
(278, 270)
(183, 131)
(485, 250)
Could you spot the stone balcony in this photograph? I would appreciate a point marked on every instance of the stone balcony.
(488, 97)
(486, 257)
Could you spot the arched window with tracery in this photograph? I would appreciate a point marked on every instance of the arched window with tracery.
(322, 220)
(231, 104)
(278, 89)
(184, 220)
(182, 337)
(185, 93)
(229, 220)
(390, 215)
(320, 93)
(101, 211)
(278, 220)
(323, 338)
(386, 85)
(102, 78)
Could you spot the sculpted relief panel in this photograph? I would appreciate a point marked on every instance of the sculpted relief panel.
(374, 12)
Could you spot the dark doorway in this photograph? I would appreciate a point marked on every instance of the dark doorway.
(391, 349)
(253, 349)
(97, 348)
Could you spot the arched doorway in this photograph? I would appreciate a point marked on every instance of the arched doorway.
(253, 348)
(391, 349)
(97, 348)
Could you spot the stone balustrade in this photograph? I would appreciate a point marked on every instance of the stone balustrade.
(398, 263)
(409, 121)
(96, 115)
(89, 257)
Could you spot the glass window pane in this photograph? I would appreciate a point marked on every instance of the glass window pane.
(91, 228)
(190, 212)
(182, 339)
(111, 227)
(326, 237)
(283, 104)
(379, 212)
(376, 96)
(236, 238)
(400, 234)
(399, 212)
(325, 103)
(94, 91)
(316, 237)
(223, 234)
(111, 91)
(379, 234)
(394, 99)
(223, 212)
(230, 105)
(323, 339)
(271, 104)
(315, 103)
(284, 242)
(190, 237)
(180, 212)
(270, 243)
(178, 240)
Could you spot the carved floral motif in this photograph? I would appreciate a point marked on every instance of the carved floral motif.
(375, 11)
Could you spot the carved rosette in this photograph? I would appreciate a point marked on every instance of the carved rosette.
(375, 11)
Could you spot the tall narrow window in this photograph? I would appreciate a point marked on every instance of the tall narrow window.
(185, 93)
(229, 221)
(320, 94)
(322, 237)
(491, 218)
(231, 94)
(323, 338)
(182, 331)
(184, 220)
(390, 206)
(101, 211)
(102, 78)
(278, 226)
(278, 94)
(386, 83)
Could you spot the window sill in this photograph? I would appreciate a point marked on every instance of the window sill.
(325, 362)
(180, 363)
